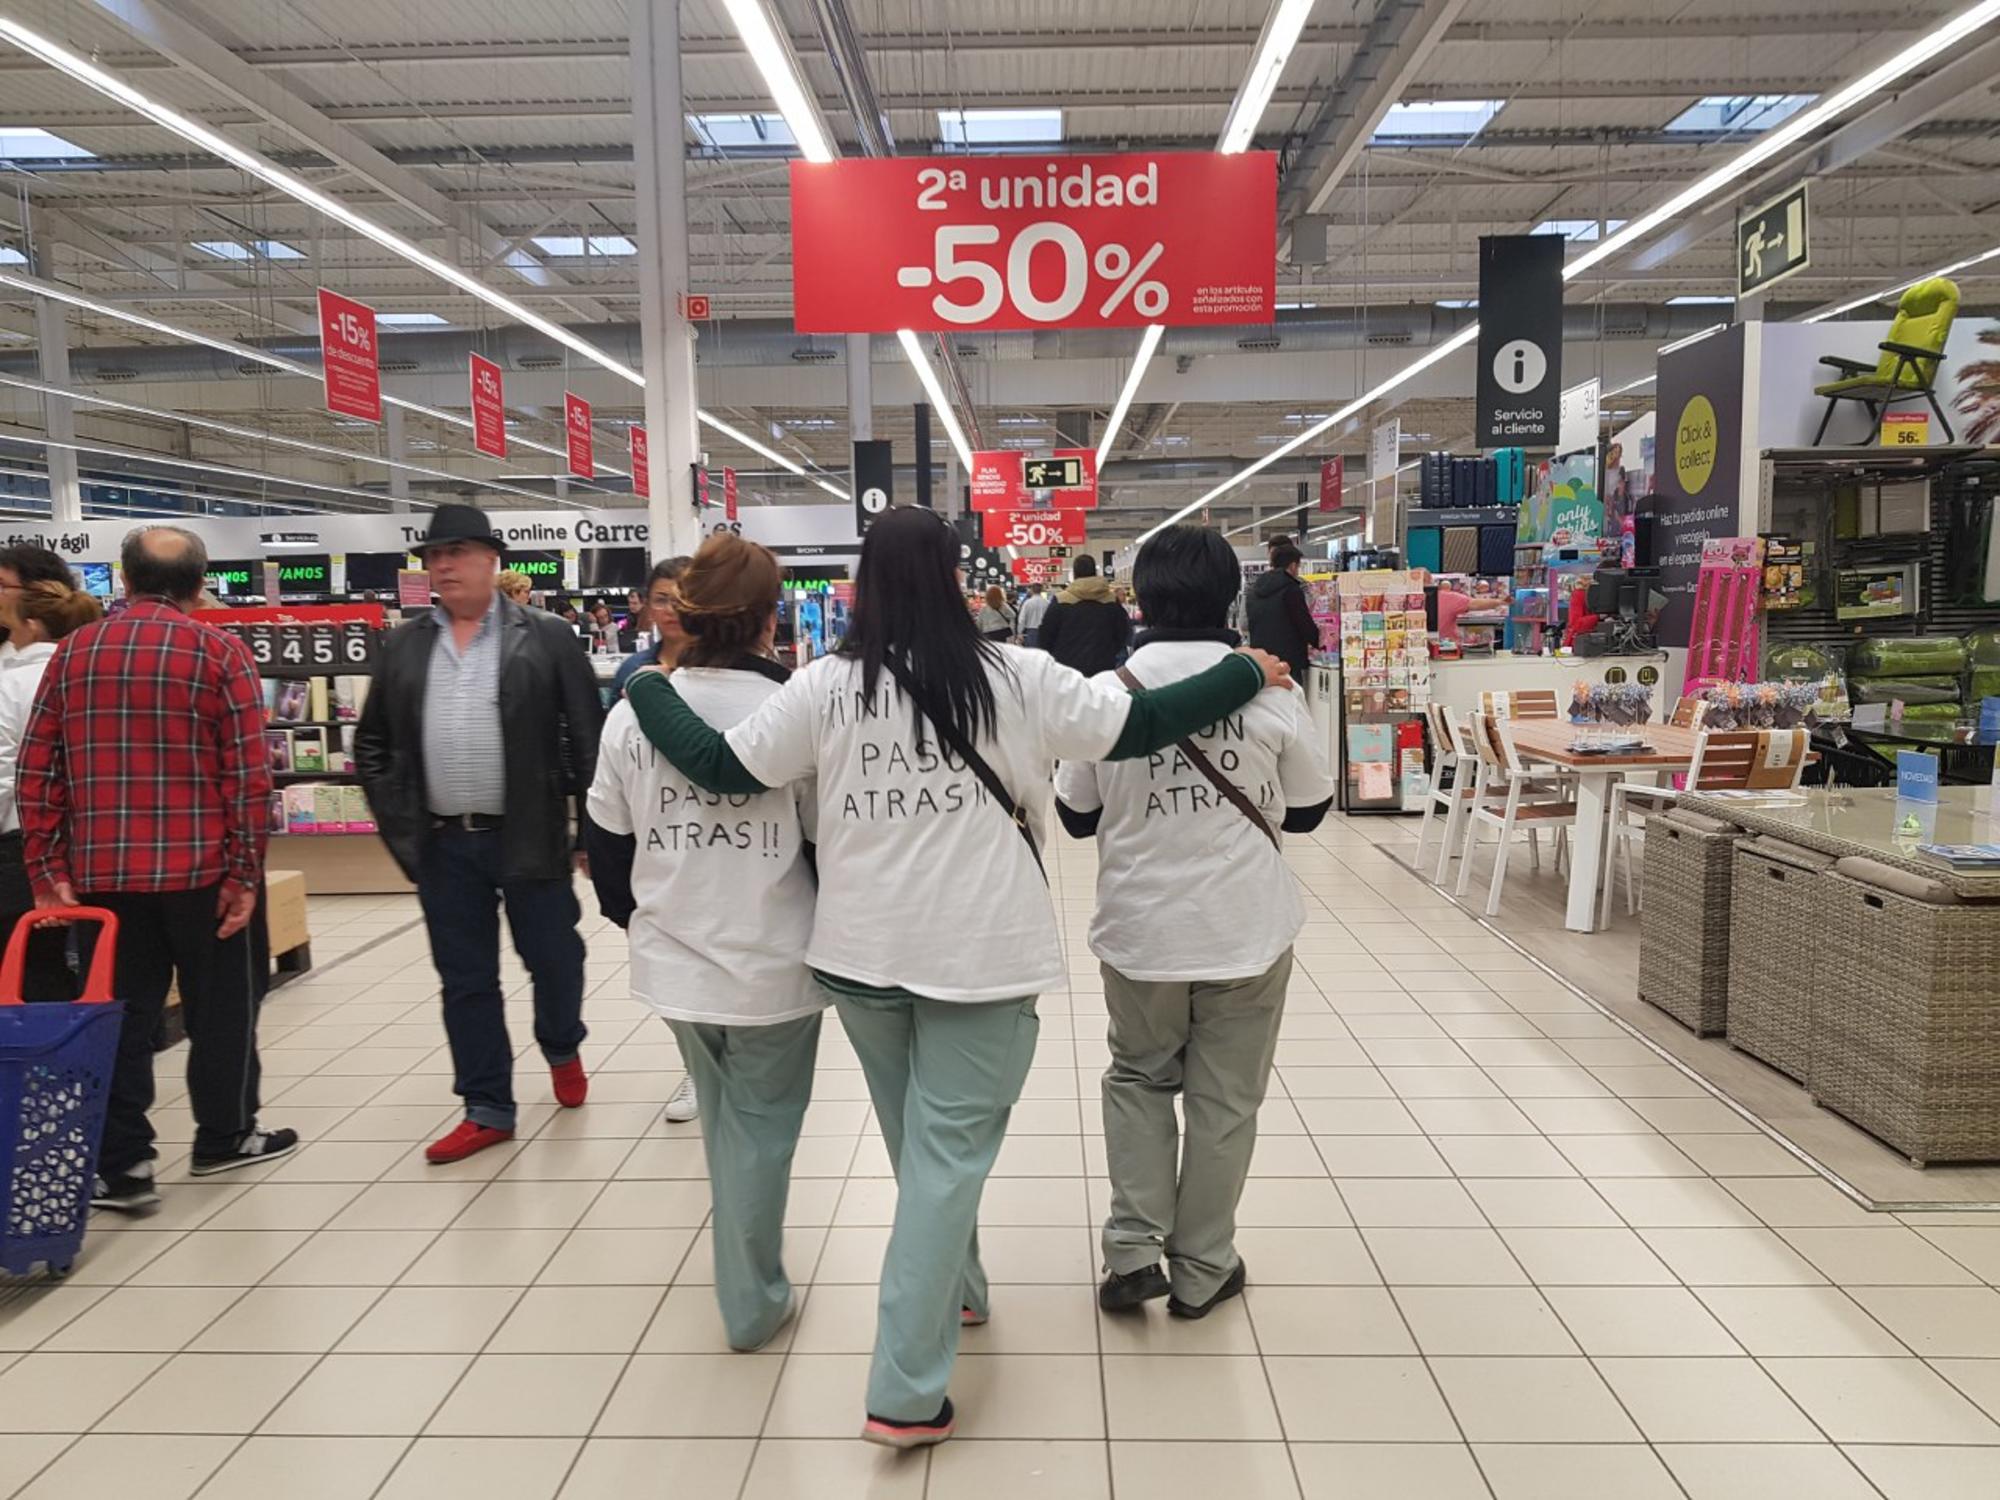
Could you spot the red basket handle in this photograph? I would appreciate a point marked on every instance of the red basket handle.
(96, 985)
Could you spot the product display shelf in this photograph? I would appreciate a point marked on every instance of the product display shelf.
(302, 643)
(1384, 689)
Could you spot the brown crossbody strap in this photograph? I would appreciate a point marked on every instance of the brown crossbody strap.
(1216, 779)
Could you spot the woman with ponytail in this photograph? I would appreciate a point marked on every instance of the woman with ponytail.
(931, 747)
(37, 616)
(716, 895)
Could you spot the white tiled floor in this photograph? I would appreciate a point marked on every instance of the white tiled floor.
(1496, 1250)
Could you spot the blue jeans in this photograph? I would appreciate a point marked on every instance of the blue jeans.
(460, 886)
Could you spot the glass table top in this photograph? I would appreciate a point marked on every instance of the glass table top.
(1871, 821)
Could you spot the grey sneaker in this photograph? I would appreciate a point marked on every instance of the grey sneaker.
(126, 1192)
(254, 1147)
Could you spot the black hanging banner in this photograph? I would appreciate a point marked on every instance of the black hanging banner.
(1520, 339)
(874, 481)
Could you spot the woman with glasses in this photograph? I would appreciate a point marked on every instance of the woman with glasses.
(931, 747)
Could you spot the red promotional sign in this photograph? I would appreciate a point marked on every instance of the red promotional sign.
(728, 494)
(1039, 569)
(489, 408)
(1332, 477)
(1034, 241)
(576, 425)
(642, 464)
(348, 357)
(997, 482)
(1031, 528)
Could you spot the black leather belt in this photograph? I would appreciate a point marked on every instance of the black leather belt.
(469, 822)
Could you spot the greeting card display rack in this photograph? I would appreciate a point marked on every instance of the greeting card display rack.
(1385, 686)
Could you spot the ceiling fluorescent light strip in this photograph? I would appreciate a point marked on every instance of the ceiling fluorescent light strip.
(58, 293)
(1903, 286)
(1149, 341)
(153, 486)
(1693, 338)
(378, 501)
(251, 434)
(1947, 35)
(88, 73)
(772, 454)
(774, 60)
(1282, 28)
(1940, 39)
(913, 351)
(1292, 510)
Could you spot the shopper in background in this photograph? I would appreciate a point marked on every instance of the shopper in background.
(996, 617)
(145, 788)
(1033, 608)
(718, 904)
(1196, 915)
(20, 565)
(667, 635)
(517, 587)
(931, 747)
(1280, 618)
(1086, 629)
(481, 726)
(41, 613)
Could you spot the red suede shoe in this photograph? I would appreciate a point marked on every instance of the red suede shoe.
(572, 1084)
(466, 1140)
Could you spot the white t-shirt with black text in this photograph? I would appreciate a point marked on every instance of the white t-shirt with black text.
(924, 881)
(1187, 888)
(724, 894)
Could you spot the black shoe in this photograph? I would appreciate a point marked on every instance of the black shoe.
(906, 1435)
(126, 1192)
(255, 1147)
(1123, 1292)
(1233, 1287)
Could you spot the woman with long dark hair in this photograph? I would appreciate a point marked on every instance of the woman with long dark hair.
(932, 747)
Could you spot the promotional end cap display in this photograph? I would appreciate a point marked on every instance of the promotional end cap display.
(459, 523)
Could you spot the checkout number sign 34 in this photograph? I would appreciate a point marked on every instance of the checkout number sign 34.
(1024, 242)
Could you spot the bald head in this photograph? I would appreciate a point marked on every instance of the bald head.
(165, 562)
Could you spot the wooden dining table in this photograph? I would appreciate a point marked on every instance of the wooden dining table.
(1668, 748)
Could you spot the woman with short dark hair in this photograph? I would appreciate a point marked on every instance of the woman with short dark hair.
(931, 747)
(1196, 916)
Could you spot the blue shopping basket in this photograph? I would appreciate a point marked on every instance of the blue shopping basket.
(55, 1076)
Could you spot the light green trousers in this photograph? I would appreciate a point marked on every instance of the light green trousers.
(944, 1077)
(1212, 1044)
(754, 1083)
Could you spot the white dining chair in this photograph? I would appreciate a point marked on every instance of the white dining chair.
(1454, 775)
(1508, 797)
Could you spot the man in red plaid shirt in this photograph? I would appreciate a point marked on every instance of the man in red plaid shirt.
(145, 789)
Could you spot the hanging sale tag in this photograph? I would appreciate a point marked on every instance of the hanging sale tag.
(489, 408)
(576, 425)
(642, 464)
(349, 358)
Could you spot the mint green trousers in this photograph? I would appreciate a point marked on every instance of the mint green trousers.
(1175, 1191)
(754, 1083)
(944, 1077)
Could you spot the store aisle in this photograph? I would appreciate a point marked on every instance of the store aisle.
(1495, 1249)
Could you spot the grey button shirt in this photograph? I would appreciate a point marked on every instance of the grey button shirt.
(465, 767)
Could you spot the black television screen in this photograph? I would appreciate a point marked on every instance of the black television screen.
(614, 567)
(544, 568)
(234, 577)
(304, 573)
(375, 572)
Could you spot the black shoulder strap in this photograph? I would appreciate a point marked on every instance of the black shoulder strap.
(960, 746)
(1231, 792)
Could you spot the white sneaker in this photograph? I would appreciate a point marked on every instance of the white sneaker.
(684, 1106)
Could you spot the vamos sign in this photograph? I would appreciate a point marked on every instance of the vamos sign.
(1026, 242)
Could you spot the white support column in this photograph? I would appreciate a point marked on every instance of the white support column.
(660, 165)
(58, 412)
(398, 449)
(860, 387)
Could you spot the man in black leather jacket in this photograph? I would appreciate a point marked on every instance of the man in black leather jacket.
(481, 725)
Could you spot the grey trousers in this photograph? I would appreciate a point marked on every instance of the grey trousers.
(1211, 1044)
